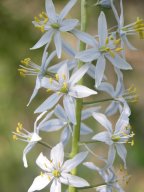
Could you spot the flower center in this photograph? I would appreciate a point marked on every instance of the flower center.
(64, 88)
(56, 173)
(55, 25)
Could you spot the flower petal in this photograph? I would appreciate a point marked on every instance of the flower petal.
(44, 163)
(27, 150)
(56, 186)
(85, 37)
(80, 91)
(102, 29)
(86, 113)
(67, 8)
(89, 55)
(45, 39)
(103, 137)
(58, 43)
(78, 74)
(111, 155)
(65, 135)
(57, 155)
(39, 183)
(68, 25)
(84, 130)
(48, 103)
(69, 106)
(74, 162)
(122, 152)
(102, 119)
(99, 70)
(73, 180)
(50, 10)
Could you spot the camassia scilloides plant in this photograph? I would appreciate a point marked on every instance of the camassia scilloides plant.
(66, 109)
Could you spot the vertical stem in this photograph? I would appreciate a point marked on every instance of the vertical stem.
(76, 131)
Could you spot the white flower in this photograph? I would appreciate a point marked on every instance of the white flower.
(29, 137)
(61, 121)
(55, 24)
(105, 48)
(115, 138)
(66, 87)
(56, 171)
(109, 177)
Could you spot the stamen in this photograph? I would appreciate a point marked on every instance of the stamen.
(57, 77)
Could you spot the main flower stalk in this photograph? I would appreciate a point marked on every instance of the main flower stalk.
(79, 102)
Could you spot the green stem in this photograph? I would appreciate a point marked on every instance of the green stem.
(45, 144)
(79, 102)
(99, 101)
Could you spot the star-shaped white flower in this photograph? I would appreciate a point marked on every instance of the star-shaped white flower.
(65, 86)
(56, 171)
(54, 24)
(115, 138)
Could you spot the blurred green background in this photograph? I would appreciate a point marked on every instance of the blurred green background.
(17, 35)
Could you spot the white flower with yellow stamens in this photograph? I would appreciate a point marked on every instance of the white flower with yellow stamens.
(53, 25)
(56, 171)
(29, 137)
(65, 86)
(105, 48)
(115, 138)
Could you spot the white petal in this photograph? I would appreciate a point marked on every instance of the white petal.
(102, 29)
(107, 87)
(67, 8)
(57, 155)
(80, 91)
(102, 119)
(39, 183)
(27, 150)
(45, 39)
(69, 106)
(78, 74)
(35, 137)
(111, 155)
(58, 43)
(122, 152)
(56, 186)
(65, 135)
(99, 70)
(84, 130)
(63, 71)
(52, 125)
(112, 108)
(119, 62)
(44, 163)
(92, 166)
(86, 113)
(103, 136)
(89, 55)
(60, 113)
(73, 180)
(85, 37)
(48, 103)
(68, 25)
(74, 162)
(50, 10)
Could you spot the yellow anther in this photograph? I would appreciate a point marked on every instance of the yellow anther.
(48, 90)
(117, 41)
(118, 49)
(58, 92)
(56, 173)
(65, 85)
(51, 80)
(26, 61)
(36, 19)
(22, 71)
(15, 137)
(57, 77)
(49, 178)
(17, 130)
(107, 41)
(42, 174)
(112, 54)
(111, 38)
(44, 14)
(59, 164)
(20, 125)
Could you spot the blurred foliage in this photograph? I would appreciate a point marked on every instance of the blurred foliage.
(17, 35)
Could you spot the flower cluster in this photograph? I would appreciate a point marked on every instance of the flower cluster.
(65, 108)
